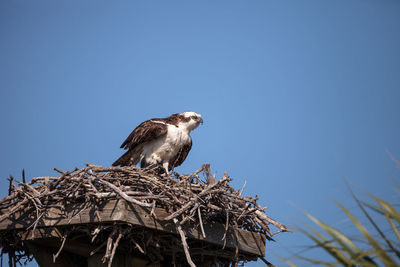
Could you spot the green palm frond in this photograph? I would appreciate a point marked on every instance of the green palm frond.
(379, 249)
(382, 255)
(329, 247)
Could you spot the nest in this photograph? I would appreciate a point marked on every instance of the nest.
(192, 200)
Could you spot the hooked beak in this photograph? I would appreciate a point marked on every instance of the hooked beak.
(201, 121)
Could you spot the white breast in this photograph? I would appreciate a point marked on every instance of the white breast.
(165, 148)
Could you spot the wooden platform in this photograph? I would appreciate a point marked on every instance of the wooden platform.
(120, 211)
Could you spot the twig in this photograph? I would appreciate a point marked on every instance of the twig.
(271, 221)
(10, 186)
(184, 244)
(23, 176)
(153, 209)
(120, 235)
(226, 226)
(59, 251)
(201, 222)
(267, 262)
(241, 190)
(98, 248)
(122, 194)
(189, 204)
(109, 245)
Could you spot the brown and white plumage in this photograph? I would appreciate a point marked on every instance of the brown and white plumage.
(165, 141)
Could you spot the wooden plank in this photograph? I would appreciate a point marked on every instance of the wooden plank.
(121, 211)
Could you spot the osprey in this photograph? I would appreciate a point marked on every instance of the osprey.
(165, 142)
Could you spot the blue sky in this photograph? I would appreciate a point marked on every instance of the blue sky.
(296, 96)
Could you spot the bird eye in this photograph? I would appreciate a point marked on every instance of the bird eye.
(193, 117)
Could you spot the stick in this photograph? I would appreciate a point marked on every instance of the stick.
(241, 191)
(185, 245)
(98, 248)
(187, 205)
(271, 221)
(201, 222)
(267, 262)
(138, 247)
(10, 186)
(114, 249)
(153, 208)
(23, 176)
(59, 251)
(14, 209)
(226, 226)
(109, 245)
(122, 194)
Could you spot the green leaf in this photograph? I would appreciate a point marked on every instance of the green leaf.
(291, 264)
(386, 207)
(383, 256)
(394, 228)
(388, 211)
(319, 262)
(330, 248)
(346, 244)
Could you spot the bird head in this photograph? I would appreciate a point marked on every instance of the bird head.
(191, 119)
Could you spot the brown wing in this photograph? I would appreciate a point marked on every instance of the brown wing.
(181, 156)
(145, 132)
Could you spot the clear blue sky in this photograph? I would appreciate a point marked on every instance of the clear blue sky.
(294, 94)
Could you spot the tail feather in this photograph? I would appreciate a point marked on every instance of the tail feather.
(130, 157)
